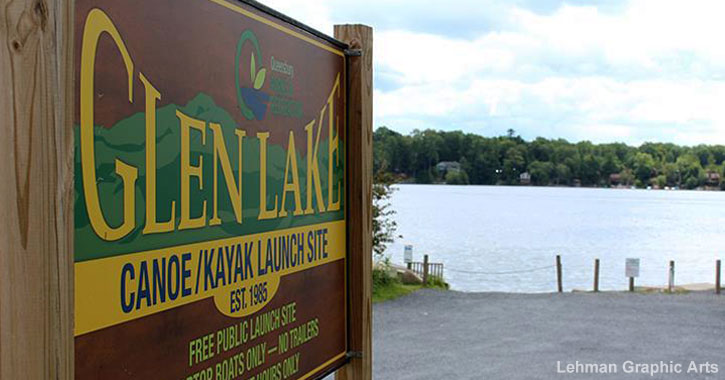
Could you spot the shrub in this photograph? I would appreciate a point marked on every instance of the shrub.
(457, 178)
(437, 282)
(382, 278)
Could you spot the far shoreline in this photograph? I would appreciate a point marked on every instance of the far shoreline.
(713, 190)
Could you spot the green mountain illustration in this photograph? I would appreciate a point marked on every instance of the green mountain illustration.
(126, 141)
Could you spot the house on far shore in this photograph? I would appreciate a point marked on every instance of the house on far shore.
(713, 178)
(615, 179)
(444, 167)
(525, 178)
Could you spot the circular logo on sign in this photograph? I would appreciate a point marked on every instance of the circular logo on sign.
(251, 99)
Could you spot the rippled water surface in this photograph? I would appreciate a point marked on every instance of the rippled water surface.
(495, 229)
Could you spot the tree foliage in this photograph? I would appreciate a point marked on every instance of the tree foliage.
(502, 160)
(384, 226)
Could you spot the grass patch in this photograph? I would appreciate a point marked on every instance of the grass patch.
(392, 291)
(388, 287)
(655, 290)
(437, 283)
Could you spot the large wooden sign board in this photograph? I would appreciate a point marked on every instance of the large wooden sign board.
(210, 193)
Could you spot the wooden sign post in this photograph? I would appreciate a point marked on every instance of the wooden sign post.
(183, 199)
(717, 276)
(559, 286)
(631, 271)
(36, 191)
(360, 137)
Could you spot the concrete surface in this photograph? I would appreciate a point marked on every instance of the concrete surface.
(450, 335)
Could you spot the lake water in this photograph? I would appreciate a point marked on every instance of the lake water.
(495, 229)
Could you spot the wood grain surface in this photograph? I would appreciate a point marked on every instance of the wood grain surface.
(36, 236)
(360, 174)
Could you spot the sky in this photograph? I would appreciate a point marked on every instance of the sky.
(600, 70)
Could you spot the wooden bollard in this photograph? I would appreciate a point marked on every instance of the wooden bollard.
(425, 270)
(558, 274)
(596, 275)
(717, 277)
(671, 278)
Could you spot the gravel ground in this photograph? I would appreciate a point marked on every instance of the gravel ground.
(451, 335)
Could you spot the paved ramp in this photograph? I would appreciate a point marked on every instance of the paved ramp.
(449, 335)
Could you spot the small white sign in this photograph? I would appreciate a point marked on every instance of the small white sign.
(408, 256)
(632, 268)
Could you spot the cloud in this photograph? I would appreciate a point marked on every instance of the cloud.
(632, 71)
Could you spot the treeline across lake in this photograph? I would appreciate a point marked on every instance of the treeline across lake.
(432, 156)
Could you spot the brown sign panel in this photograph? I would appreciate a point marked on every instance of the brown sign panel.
(210, 215)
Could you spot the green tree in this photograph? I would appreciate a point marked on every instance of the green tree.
(626, 177)
(589, 173)
(425, 147)
(660, 181)
(562, 174)
(691, 170)
(610, 164)
(514, 163)
(671, 173)
(541, 172)
(644, 167)
(456, 178)
(384, 226)
(502, 159)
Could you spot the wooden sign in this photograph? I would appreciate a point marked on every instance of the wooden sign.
(210, 193)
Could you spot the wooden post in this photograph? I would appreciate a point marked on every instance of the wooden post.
(359, 207)
(36, 242)
(560, 288)
(596, 275)
(425, 270)
(671, 278)
(631, 284)
(717, 277)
